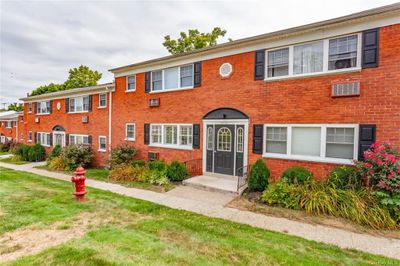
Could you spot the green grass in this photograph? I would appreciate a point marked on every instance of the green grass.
(150, 234)
(9, 160)
(4, 153)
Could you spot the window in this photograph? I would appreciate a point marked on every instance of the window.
(156, 134)
(178, 136)
(313, 142)
(43, 138)
(276, 140)
(75, 139)
(172, 78)
(30, 136)
(340, 142)
(131, 83)
(308, 58)
(8, 124)
(43, 107)
(102, 143)
(210, 143)
(130, 131)
(240, 140)
(102, 100)
(343, 52)
(186, 135)
(79, 104)
(278, 63)
(29, 107)
(224, 139)
(22, 136)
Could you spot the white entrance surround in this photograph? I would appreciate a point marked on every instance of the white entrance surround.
(235, 122)
(62, 139)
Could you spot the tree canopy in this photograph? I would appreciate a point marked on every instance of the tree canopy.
(192, 40)
(79, 77)
(16, 107)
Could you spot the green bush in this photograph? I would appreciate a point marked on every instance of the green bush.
(36, 153)
(14, 146)
(177, 171)
(55, 152)
(122, 155)
(126, 173)
(158, 178)
(23, 152)
(138, 163)
(5, 147)
(296, 175)
(282, 194)
(56, 163)
(158, 166)
(344, 178)
(258, 176)
(77, 155)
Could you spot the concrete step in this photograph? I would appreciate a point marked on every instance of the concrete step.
(212, 183)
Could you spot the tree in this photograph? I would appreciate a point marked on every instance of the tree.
(79, 77)
(192, 40)
(16, 107)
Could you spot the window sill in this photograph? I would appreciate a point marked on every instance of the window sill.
(171, 146)
(42, 114)
(309, 158)
(318, 74)
(29, 140)
(80, 112)
(101, 107)
(129, 139)
(128, 91)
(102, 150)
(172, 90)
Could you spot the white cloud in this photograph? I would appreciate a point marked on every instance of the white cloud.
(41, 40)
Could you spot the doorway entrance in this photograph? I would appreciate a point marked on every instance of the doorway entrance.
(58, 136)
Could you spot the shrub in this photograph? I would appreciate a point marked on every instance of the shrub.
(56, 164)
(177, 171)
(125, 173)
(55, 152)
(122, 155)
(77, 155)
(344, 178)
(36, 153)
(5, 147)
(23, 152)
(157, 165)
(296, 175)
(258, 176)
(16, 158)
(138, 163)
(14, 146)
(390, 202)
(282, 194)
(158, 178)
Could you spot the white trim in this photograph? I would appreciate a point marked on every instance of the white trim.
(230, 132)
(105, 140)
(61, 133)
(78, 112)
(322, 158)
(105, 98)
(126, 83)
(44, 145)
(177, 146)
(126, 131)
(110, 122)
(179, 79)
(78, 135)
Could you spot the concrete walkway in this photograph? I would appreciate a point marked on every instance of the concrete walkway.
(344, 239)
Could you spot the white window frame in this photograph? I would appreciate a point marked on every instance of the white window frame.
(105, 97)
(41, 133)
(105, 141)
(324, 62)
(40, 103)
(8, 124)
(171, 146)
(179, 79)
(78, 112)
(29, 108)
(134, 131)
(322, 158)
(127, 87)
(30, 136)
(75, 136)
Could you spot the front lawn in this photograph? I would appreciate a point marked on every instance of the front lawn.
(127, 231)
(11, 160)
(4, 153)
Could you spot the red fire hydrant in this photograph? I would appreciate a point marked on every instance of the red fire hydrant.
(79, 182)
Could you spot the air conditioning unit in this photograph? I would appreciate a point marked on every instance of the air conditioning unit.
(154, 102)
(37, 119)
(85, 119)
(347, 88)
(153, 156)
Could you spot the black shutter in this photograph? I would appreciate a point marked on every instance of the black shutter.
(66, 139)
(147, 134)
(90, 102)
(259, 65)
(197, 74)
(196, 136)
(367, 136)
(147, 82)
(370, 48)
(35, 137)
(34, 108)
(67, 105)
(51, 106)
(90, 139)
(51, 139)
(258, 139)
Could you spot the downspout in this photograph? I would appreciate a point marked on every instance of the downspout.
(16, 130)
(109, 121)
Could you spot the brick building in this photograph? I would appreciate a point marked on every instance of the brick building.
(313, 96)
(10, 124)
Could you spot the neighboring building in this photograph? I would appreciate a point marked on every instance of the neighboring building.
(315, 96)
(10, 126)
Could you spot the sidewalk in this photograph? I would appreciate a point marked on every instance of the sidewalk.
(344, 239)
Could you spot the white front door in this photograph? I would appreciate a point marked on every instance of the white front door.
(59, 139)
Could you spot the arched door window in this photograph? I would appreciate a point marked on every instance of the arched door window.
(224, 139)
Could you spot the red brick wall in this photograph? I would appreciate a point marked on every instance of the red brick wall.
(8, 132)
(72, 123)
(305, 100)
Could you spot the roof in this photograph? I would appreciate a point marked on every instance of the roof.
(9, 115)
(241, 42)
(71, 92)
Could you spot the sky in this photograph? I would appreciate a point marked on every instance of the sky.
(41, 40)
